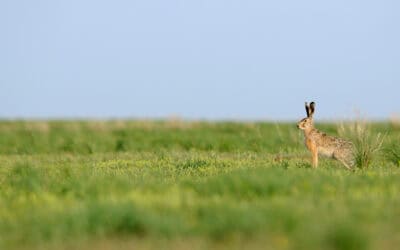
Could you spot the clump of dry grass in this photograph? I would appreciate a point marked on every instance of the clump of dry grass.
(366, 143)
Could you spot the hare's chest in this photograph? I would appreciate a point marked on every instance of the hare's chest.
(310, 144)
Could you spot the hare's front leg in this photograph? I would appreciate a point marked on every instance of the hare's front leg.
(314, 153)
(311, 145)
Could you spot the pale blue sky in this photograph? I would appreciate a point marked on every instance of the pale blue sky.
(199, 59)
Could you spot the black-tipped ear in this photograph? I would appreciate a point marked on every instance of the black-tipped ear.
(312, 108)
(307, 109)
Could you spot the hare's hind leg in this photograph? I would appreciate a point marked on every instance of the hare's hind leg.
(344, 163)
(342, 160)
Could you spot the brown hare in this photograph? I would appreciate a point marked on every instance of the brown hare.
(321, 144)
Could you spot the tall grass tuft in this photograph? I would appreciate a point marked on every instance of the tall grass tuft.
(366, 143)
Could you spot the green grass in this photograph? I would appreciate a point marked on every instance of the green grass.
(180, 185)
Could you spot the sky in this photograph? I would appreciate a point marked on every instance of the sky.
(204, 59)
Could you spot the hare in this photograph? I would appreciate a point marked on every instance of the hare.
(319, 143)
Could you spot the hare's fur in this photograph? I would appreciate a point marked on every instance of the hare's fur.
(319, 143)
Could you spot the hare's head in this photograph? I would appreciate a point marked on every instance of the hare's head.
(307, 123)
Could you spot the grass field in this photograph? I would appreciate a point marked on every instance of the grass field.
(189, 185)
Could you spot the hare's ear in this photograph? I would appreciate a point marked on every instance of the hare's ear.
(307, 109)
(312, 108)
